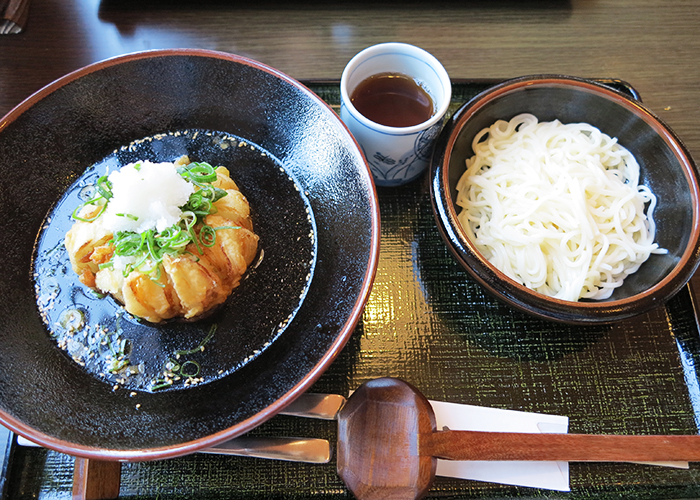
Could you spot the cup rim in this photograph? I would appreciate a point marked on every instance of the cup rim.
(406, 49)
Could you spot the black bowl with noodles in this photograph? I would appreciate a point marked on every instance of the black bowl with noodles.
(83, 377)
(666, 167)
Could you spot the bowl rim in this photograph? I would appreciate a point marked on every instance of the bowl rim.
(344, 332)
(518, 295)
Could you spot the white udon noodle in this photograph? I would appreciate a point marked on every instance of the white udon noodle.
(557, 208)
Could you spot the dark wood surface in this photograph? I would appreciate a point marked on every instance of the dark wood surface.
(95, 480)
(464, 445)
(652, 44)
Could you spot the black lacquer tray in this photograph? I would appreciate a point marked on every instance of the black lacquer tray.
(427, 322)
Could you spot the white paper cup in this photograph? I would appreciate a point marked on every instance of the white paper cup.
(396, 155)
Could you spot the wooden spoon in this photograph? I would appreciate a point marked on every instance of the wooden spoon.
(388, 444)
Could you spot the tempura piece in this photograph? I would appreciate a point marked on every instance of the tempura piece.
(186, 284)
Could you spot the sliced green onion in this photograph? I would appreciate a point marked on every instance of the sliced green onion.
(201, 172)
(129, 216)
(173, 370)
(201, 345)
(189, 218)
(172, 366)
(104, 187)
(207, 235)
(195, 240)
(118, 364)
(89, 202)
(153, 251)
(162, 383)
(186, 373)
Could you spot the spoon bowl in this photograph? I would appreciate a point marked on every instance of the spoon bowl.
(378, 441)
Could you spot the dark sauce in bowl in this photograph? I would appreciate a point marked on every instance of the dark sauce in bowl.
(129, 353)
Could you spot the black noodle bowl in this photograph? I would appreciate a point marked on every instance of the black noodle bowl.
(313, 204)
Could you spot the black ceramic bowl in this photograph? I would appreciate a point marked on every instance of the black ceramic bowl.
(666, 168)
(313, 204)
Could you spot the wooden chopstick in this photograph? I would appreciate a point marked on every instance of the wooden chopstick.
(14, 14)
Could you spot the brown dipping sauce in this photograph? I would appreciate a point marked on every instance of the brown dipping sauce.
(392, 99)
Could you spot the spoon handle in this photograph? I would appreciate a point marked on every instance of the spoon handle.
(472, 445)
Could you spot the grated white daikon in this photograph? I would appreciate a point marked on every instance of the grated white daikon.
(145, 196)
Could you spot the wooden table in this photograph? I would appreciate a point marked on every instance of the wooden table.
(650, 43)
(639, 376)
